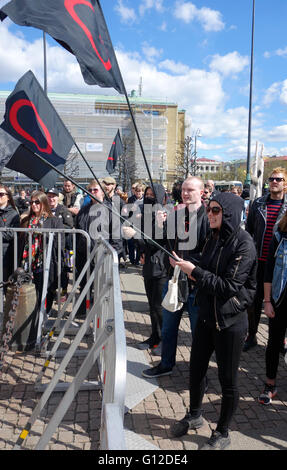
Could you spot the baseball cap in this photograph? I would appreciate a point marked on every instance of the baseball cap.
(53, 191)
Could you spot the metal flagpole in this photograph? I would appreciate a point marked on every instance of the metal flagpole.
(45, 63)
(130, 110)
(248, 178)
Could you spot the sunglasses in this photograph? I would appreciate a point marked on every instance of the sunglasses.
(273, 178)
(3, 194)
(35, 202)
(93, 190)
(214, 210)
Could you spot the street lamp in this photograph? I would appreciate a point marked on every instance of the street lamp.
(248, 178)
(195, 136)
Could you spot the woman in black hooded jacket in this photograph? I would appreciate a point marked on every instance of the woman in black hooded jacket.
(226, 283)
(154, 269)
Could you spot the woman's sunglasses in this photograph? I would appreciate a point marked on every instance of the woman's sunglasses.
(214, 210)
(35, 202)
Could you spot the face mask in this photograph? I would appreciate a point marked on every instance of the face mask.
(148, 200)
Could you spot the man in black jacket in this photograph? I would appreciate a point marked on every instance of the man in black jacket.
(190, 226)
(263, 217)
(96, 219)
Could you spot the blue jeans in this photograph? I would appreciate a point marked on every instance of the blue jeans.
(170, 327)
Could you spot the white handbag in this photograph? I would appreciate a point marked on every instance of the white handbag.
(170, 301)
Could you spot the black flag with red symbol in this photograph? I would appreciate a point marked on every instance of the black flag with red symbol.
(32, 120)
(115, 152)
(80, 27)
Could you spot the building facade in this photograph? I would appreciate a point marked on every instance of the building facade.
(93, 121)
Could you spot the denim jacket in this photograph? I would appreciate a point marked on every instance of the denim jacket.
(280, 267)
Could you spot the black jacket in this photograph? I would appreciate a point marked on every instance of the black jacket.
(154, 265)
(226, 275)
(97, 219)
(9, 217)
(256, 220)
(63, 213)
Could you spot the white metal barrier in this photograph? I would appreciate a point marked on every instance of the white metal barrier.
(108, 347)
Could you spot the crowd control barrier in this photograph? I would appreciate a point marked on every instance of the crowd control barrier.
(105, 320)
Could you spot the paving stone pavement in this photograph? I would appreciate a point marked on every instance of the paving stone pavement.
(254, 426)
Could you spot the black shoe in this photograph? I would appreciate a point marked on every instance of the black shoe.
(217, 442)
(250, 343)
(181, 427)
(144, 345)
(157, 371)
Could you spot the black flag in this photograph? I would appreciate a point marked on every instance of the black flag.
(32, 120)
(8, 146)
(80, 27)
(115, 152)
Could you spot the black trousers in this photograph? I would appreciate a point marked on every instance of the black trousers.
(154, 288)
(277, 330)
(254, 312)
(227, 345)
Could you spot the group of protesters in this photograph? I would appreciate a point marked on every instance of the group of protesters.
(232, 258)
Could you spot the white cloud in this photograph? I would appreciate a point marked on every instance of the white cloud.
(174, 67)
(127, 15)
(211, 20)
(229, 64)
(150, 52)
(149, 4)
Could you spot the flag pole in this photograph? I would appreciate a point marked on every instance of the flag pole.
(45, 63)
(130, 108)
(46, 93)
(43, 160)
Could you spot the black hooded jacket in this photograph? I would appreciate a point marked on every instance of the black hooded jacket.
(154, 266)
(226, 275)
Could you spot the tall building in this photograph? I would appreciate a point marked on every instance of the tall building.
(93, 121)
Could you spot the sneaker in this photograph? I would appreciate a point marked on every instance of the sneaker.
(157, 371)
(250, 343)
(181, 427)
(156, 350)
(269, 392)
(217, 442)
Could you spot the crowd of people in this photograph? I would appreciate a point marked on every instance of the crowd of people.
(232, 255)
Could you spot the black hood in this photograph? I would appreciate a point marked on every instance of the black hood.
(159, 193)
(232, 207)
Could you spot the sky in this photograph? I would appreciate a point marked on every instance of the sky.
(195, 53)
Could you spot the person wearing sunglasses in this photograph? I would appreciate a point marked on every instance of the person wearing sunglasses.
(275, 307)
(225, 279)
(40, 216)
(9, 217)
(264, 215)
(96, 219)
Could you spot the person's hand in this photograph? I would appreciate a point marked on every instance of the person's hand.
(161, 217)
(142, 259)
(269, 310)
(186, 266)
(128, 232)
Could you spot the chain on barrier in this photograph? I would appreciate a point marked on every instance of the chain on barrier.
(17, 279)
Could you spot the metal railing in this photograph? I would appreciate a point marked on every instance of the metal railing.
(108, 350)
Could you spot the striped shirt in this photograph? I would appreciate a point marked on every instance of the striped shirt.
(273, 208)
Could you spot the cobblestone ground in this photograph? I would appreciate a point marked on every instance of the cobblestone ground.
(150, 419)
(154, 415)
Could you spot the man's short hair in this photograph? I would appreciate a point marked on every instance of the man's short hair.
(279, 169)
(190, 178)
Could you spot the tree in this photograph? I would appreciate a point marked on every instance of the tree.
(185, 159)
